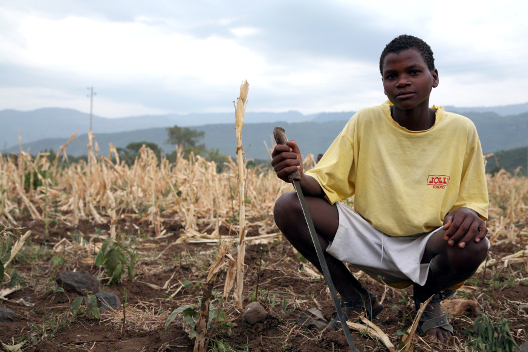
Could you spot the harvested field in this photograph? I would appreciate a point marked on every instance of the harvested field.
(171, 218)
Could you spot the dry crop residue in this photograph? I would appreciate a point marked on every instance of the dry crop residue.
(172, 216)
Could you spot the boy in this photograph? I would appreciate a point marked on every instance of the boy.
(420, 203)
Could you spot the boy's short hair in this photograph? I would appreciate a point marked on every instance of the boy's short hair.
(404, 42)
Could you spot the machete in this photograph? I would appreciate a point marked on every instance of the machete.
(295, 178)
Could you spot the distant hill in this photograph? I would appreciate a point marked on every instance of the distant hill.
(500, 132)
(503, 110)
(61, 123)
(51, 128)
(333, 116)
(496, 133)
(509, 160)
(313, 136)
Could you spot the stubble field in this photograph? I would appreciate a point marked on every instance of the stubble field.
(166, 221)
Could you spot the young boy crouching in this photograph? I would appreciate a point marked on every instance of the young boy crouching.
(420, 205)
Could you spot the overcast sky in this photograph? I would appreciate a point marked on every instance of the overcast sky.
(168, 56)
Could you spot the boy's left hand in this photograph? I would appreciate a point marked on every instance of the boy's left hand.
(462, 225)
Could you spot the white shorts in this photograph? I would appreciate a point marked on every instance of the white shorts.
(392, 260)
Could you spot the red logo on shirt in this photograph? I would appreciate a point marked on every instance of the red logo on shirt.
(438, 181)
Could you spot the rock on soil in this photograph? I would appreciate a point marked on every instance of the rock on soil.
(6, 315)
(107, 300)
(523, 347)
(460, 307)
(254, 313)
(78, 282)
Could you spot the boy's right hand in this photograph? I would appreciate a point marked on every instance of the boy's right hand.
(286, 159)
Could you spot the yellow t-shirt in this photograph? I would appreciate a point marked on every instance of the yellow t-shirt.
(405, 182)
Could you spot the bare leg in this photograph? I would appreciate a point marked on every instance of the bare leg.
(450, 265)
(290, 220)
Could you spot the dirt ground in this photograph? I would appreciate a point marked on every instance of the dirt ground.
(170, 275)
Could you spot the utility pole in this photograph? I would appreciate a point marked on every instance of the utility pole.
(91, 104)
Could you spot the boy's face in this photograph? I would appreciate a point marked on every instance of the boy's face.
(407, 80)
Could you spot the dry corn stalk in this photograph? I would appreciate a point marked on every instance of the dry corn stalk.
(62, 148)
(239, 117)
(230, 278)
(201, 325)
(16, 247)
(91, 192)
(373, 331)
(407, 339)
(518, 257)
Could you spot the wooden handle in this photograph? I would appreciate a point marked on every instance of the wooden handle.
(280, 137)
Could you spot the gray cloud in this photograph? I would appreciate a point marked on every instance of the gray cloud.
(291, 37)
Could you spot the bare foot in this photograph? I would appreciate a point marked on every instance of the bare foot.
(436, 334)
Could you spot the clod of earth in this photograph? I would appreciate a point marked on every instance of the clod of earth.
(254, 313)
(78, 282)
(6, 315)
(107, 300)
(460, 307)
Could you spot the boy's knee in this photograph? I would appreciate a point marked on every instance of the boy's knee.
(285, 207)
(472, 255)
(479, 250)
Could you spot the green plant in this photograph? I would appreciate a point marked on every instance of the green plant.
(91, 309)
(48, 327)
(31, 253)
(113, 255)
(498, 285)
(217, 318)
(5, 252)
(32, 179)
(16, 279)
(491, 337)
(190, 317)
(221, 346)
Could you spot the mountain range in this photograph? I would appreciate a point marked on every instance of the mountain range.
(500, 128)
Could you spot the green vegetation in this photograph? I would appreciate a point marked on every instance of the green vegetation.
(113, 255)
(91, 310)
(492, 337)
(131, 152)
(6, 243)
(186, 137)
(217, 318)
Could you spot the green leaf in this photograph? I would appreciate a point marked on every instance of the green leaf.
(302, 258)
(93, 310)
(76, 305)
(57, 260)
(112, 260)
(1, 271)
(99, 260)
(191, 312)
(173, 315)
(186, 283)
(118, 272)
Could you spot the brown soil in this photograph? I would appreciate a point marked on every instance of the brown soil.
(285, 289)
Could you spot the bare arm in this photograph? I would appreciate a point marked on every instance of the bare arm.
(286, 159)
